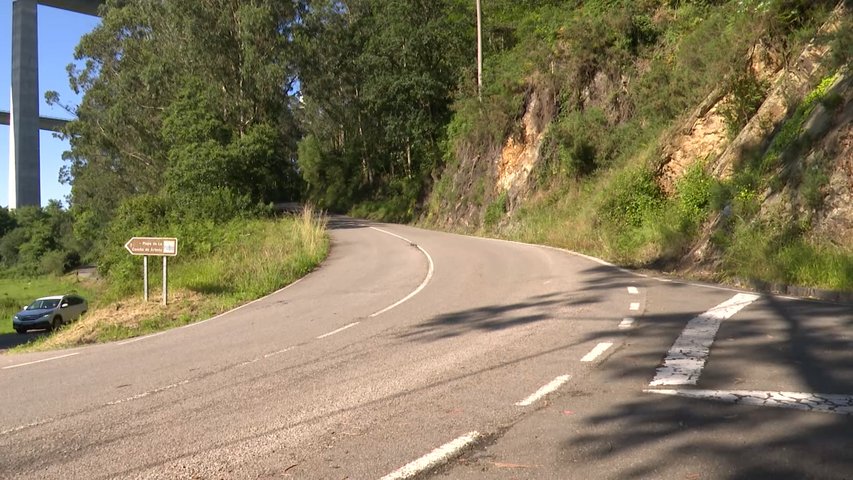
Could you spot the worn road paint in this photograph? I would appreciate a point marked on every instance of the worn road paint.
(338, 330)
(634, 306)
(812, 402)
(40, 361)
(626, 322)
(434, 458)
(423, 283)
(545, 390)
(686, 358)
(633, 290)
(598, 350)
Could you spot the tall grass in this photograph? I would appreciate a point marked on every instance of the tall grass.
(248, 258)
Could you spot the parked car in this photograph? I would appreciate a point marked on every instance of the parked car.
(50, 313)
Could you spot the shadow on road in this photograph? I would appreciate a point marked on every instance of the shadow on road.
(344, 223)
(654, 436)
(494, 317)
(12, 340)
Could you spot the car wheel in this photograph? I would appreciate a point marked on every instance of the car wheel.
(21, 330)
(56, 323)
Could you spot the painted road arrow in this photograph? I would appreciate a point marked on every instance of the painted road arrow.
(159, 246)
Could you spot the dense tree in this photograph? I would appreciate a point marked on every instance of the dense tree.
(377, 79)
(183, 98)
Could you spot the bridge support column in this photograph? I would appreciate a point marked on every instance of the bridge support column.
(24, 179)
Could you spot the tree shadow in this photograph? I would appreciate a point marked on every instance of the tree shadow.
(658, 434)
(12, 340)
(492, 318)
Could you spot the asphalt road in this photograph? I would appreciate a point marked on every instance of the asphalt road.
(502, 361)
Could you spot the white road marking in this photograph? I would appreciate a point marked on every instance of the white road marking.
(145, 394)
(634, 306)
(190, 325)
(145, 337)
(686, 358)
(278, 352)
(434, 458)
(626, 322)
(29, 425)
(633, 290)
(338, 330)
(40, 361)
(421, 286)
(545, 390)
(595, 352)
(814, 402)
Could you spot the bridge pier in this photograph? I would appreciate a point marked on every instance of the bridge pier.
(24, 177)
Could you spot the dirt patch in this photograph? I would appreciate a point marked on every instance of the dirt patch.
(130, 314)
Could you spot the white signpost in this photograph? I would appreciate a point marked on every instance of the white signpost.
(157, 246)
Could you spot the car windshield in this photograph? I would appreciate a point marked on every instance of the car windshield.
(43, 304)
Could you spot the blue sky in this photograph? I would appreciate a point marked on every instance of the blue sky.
(59, 33)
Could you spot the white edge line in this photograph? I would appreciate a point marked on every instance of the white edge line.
(144, 337)
(434, 458)
(423, 283)
(244, 305)
(625, 270)
(545, 390)
(337, 331)
(40, 361)
(597, 351)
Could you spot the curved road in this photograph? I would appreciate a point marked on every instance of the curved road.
(405, 340)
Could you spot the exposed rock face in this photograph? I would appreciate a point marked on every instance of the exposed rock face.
(518, 156)
(520, 153)
(704, 137)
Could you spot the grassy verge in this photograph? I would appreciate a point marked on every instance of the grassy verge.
(18, 292)
(254, 258)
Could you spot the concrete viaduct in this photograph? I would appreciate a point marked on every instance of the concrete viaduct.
(23, 119)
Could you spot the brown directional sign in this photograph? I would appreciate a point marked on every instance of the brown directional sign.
(166, 247)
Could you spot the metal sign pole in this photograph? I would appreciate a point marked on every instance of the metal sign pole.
(165, 281)
(145, 277)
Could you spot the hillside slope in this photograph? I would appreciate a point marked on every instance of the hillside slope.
(712, 139)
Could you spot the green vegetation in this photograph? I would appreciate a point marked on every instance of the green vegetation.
(623, 75)
(198, 117)
(251, 258)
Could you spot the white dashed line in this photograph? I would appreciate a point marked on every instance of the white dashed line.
(686, 358)
(40, 361)
(272, 354)
(634, 306)
(338, 330)
(145, 394)
(626, 322)
(595, 352)
(434, 458)
(813, 402)
(545, 390)
(633, 290)
(421, 286)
